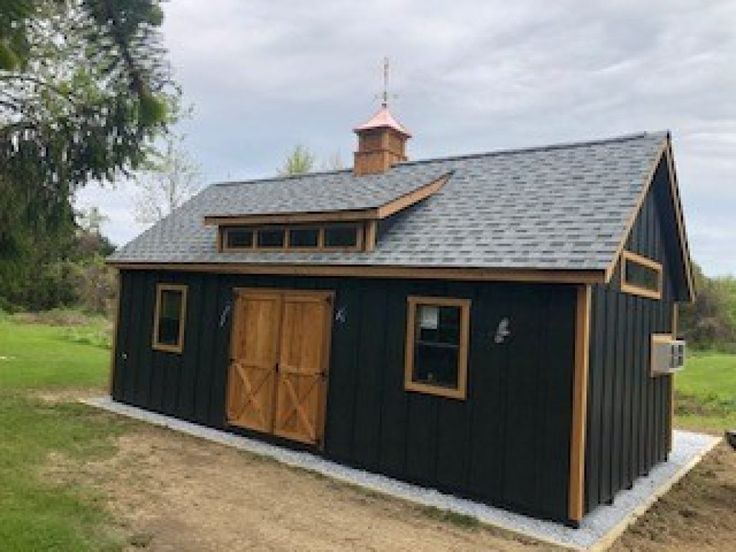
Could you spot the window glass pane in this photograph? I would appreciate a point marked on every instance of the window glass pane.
(437, 345)
(271, 238)
(169, 317)
(341, 236)
(239, 237)
(641, 276)
(303, 237)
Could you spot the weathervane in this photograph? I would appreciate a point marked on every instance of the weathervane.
(384, 96)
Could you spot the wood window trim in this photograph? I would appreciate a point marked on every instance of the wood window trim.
(360, 239)
(634, 289)
(223, 239)
(460, 392)
(179, 347)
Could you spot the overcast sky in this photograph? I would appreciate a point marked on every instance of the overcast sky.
(471, 76)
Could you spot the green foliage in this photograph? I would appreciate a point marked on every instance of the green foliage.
(85, 89)
(58, 270)
(301, 160)
(710, 321)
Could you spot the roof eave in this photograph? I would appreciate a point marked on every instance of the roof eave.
(528, 275)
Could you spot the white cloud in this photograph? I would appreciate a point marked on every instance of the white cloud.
(471, 76)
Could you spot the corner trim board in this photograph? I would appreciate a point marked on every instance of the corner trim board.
(115, 325)
(576, 490)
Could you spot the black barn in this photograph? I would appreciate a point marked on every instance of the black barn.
(490, 325)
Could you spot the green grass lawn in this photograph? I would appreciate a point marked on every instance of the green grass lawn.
(706, 392)
(37, 513)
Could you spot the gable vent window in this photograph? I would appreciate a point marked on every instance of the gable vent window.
(169, 317)
(641, 276)
(437, 334)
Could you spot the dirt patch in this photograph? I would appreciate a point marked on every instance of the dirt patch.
(699, 513)
(173, 492)
(65, 394)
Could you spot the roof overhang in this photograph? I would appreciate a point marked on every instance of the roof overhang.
(553, 276)
(375, 213)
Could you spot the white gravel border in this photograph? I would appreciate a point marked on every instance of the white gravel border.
(597, 531)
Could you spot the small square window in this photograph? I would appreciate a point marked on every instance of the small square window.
(437, 346)
(238, 238)
(169, 317)
(304, 237)
(341, 236)
(271, 238)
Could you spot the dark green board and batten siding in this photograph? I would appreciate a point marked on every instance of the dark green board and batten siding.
(628, 410)
(507, 444)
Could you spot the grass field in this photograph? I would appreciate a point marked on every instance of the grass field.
(706, 392)
(35, 513)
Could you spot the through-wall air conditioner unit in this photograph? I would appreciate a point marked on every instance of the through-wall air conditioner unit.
(668, 355)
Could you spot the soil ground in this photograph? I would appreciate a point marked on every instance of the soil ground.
(172, 492)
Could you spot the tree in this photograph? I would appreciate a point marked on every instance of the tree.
(333, 162)
(84, 91)
(172, 178)
(301, 160)
(709, 320)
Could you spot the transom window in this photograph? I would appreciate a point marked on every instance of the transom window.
(345, 236)
(641, 276)
(169, 317)
(437, 334)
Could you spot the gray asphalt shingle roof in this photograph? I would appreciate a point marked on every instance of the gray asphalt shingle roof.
(556, 207)
(335, 191)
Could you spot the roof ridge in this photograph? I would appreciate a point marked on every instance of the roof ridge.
(548, 147)
(526, 149)
(280, 177)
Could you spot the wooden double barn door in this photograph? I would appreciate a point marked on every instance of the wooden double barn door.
(279, 357)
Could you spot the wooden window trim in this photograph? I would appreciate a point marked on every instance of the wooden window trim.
(633, 289)
(460, 392)
(179, 347)
(360, 239)
(284, 242)
(222, 239)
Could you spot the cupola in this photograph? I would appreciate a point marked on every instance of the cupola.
(381, 143)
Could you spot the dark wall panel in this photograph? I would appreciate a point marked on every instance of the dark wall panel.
(628, 410)
(507, 444)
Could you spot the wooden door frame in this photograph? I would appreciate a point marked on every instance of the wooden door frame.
(329, 297)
